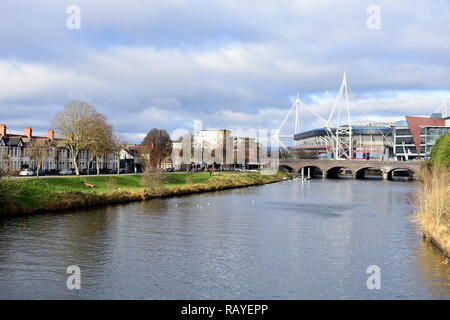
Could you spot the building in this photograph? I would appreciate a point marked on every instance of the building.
(213, 147)
(415, 137)
(246, 152)
(411, 139)
(368, 142)
(175, 161)
(15, 153)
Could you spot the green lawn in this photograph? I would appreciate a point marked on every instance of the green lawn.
(177, 179)
(31, 190)
(56, 192)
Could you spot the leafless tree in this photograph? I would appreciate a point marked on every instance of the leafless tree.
(39, 152)
(76, 124)
(5, 168)
(116, 148)
(156, 147)
(102, 139)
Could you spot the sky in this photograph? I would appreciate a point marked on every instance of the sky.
(230, 63)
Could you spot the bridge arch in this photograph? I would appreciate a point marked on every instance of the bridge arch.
(402, 173)
(366, 172)
(335, 172)
(311, 171)
(286, 169)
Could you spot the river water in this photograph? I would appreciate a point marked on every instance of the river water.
(290, 240)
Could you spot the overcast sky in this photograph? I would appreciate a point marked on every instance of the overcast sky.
(230, 63)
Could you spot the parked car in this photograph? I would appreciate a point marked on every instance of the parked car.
(26, 172)
(66, 172)
(90, 172)
(52, 172)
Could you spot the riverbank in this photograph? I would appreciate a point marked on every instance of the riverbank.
(433, 207)
(54, 194)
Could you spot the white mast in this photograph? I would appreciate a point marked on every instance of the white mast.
(295, 109)
(341, 133)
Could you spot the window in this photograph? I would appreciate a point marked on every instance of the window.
(402, 132)
(406, 140)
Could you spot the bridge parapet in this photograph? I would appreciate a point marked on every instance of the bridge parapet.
(386, 167)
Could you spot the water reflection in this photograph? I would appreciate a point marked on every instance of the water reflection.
(291, 240)
(434, 268)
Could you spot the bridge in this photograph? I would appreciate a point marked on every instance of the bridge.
(358, 168)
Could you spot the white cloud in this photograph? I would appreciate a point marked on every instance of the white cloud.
(231, 63)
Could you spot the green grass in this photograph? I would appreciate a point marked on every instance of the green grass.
(178, 179)
(32, 190)
(34, 194)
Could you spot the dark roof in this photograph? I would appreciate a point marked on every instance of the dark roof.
(355, 130)
(12, 141)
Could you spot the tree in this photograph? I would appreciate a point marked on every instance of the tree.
(102, 139)
(76, 124)
(117, 148)
(156, 146)
(440, 153)
(5, 163)
(39, 151)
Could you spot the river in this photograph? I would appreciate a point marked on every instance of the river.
(289, 240)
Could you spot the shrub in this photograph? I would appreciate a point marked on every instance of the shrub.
(440, 154)
(111, 184)
(9, 193)
(153, 180)
(433, 203)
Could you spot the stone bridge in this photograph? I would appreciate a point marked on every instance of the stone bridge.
(331, 168)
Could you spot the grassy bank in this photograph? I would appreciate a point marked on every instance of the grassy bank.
(49, 194)
(433, 206)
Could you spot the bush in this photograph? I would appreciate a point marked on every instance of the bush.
(433, 204)
(111, 184)
(440, 154)
(9, 193)
(187, 180)
(153, 180)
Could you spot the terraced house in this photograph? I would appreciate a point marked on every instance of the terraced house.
(16, 153)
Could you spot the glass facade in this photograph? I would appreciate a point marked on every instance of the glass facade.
(429, 136)
(405, 149)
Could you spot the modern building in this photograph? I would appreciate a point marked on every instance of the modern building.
(213, 147)
(411, 139)
(368, 142)
(415, 137)
(246, 152)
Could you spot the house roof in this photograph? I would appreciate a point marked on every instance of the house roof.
(13, 141)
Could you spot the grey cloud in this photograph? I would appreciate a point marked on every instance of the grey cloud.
(231, 63)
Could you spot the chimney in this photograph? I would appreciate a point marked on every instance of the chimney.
(3, 129)
(50, 134)
(28, 132)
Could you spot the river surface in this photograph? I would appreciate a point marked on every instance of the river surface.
(289, 240)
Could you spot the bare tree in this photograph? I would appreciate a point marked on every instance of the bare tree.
(39, 152)
(156, 147)
(116, 149)
(5, 162)
(77, 126)
(102, 139)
